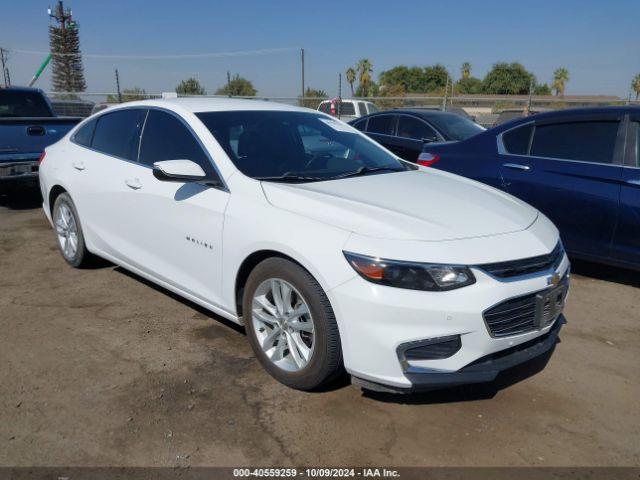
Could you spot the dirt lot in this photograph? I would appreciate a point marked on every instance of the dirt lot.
(97, 367)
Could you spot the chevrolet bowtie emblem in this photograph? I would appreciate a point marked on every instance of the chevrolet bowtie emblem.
(554, 280)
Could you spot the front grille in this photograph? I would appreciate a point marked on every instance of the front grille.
(518, 315)
(512, 317)
(515, 268)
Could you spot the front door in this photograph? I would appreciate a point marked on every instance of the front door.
(176, 227)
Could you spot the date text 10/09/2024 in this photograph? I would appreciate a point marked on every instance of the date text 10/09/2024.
(316, 472)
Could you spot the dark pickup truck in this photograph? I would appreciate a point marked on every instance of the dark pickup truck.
(27, 125)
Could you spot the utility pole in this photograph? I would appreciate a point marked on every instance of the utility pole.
(528, 108)
(446, 91)
(339, 94)
(302, 65)
(5, 70)
(228, 83)
(118, 87)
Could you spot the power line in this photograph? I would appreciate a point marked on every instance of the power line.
(264, 51)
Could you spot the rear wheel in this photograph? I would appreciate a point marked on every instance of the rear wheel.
(69, 232)
(291, 325)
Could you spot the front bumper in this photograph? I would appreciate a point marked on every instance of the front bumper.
(376, 321)
(484, 369)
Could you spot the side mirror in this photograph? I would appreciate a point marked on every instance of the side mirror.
(178, 171)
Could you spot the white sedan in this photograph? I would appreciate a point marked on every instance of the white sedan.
(334, 254)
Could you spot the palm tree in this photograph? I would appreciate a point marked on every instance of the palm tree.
(560, 79)
(364, 68)
(465, 70)
(351, 77)
(635, 84)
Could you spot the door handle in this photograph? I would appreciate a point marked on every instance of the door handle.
(635, 182)
(133, 183)
(78, 165)
(517, 166)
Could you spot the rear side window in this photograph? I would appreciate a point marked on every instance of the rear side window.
(363, 108)
(517, 141)
(167, 138)
(84, 135)
(381, 124)
(409, 127)
(584, 141)
(118, 133)
(372, 108)
(360, 124)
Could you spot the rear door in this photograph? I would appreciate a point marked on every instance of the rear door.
(382, 128)
(626, 243)
(570, 169)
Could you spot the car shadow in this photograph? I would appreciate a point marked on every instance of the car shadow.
(23, 197)
(467, 393)
(184, 301)
(607, 273)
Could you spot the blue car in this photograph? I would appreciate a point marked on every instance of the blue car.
(580, 167)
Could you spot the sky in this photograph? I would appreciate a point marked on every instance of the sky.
(598, 42)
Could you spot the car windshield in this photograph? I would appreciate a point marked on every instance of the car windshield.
(23, 104)
(297, 146)
(455, 127)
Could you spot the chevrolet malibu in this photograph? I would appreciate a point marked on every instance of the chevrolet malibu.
(333, 253)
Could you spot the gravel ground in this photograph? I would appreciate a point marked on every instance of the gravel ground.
(99, 367)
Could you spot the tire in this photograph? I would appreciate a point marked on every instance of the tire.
(324, 361)
(64, 210)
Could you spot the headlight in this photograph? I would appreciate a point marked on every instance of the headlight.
(414, 276)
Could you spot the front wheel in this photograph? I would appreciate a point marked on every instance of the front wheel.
(291, 325)
(69, 232)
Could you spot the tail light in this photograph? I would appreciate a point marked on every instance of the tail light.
(41, 158)
(427, 159)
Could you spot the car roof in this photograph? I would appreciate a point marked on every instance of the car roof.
(419, 112)
(567, 113)
(212, 104)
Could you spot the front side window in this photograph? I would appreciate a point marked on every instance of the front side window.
(372, 108)
(166, 138)
(312, 147)
(381, 124)
(84, 135)
(584, 141)
(118, 133)
(363, 108)
(409, 127)
(517, 141)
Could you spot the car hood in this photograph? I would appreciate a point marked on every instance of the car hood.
(426, 205)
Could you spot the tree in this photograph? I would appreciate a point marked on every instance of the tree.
(412, 79)
(507, 79)
(435, 77)
(238, 87)
(67, 72)
(129, 95)
(364, 68)
(190, 86)
(469, 85)
(351, 78)
(635, 85)
(465, 70)
(312, 98)
(560, 79)
(392, 91)
(542, 89)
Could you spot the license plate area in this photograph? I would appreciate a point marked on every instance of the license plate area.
(549, 306)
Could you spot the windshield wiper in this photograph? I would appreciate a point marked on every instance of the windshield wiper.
(365, 170)
(290, 177)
